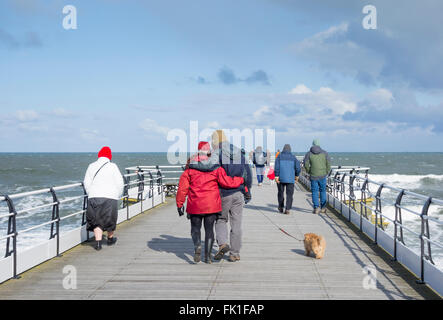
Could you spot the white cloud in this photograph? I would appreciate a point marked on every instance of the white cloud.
(151, 126)
(213, 124)
(381, 99)
(62, 113)
(300, 89)
(26, 115)
(334, 50)
(26, 126)
(91, 135)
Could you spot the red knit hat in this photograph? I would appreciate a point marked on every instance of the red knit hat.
(105, 152)
(204, 147)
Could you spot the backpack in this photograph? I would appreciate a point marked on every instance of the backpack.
(261, 159)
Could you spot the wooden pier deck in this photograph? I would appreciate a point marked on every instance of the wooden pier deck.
(153, 260)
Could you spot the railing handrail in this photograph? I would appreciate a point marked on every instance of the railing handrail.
(142, 178)
(343, 189)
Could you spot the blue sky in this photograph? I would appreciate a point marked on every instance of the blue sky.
(133, 70)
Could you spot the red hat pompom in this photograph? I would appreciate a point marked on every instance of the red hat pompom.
(105, 152)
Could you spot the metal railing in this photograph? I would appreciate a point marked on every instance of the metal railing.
(345, 183)
(170, 175)
(141, 182)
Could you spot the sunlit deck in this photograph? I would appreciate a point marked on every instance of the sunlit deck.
(153, 260)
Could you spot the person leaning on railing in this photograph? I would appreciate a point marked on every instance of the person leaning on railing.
(104, 187)
(317, 164)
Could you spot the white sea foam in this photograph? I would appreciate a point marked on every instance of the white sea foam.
(404, 181)
(433, 212)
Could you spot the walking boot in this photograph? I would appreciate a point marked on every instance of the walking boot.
(112, 241)
(233, 257)
(197, 254)
(280, 209)
(317, 210)
(323, 210)
(287, 212)
(221, 251)
(98, 245)
(208, 250)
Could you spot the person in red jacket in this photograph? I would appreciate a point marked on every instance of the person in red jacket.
(200, 183)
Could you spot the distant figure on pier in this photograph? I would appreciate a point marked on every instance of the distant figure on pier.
(287, 170)
(200, 183)
(318, 165)
(260, 160)
(277, 154)
(104, 185)
(232, 159)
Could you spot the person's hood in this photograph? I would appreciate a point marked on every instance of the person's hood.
(287, 148)
(230, 150)
(258, 151)
(230, 153)
(316, 150)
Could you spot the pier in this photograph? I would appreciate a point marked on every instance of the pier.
(153, 260)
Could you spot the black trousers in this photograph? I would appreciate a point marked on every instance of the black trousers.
(196, 224)
(289, 194)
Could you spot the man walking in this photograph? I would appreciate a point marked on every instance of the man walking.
(287, 170)
(260, 160)
(232, 159)
(318, 165)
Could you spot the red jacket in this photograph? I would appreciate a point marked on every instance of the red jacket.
(202, 188)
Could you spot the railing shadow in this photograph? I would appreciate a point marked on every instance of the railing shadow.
(342, 233)
(253, 207)
(175, 245)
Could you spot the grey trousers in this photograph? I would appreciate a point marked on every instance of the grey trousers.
(232, 209)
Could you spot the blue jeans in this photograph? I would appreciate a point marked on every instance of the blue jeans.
(260, 172)
(316, 186)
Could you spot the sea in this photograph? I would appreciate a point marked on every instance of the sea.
(21, 172)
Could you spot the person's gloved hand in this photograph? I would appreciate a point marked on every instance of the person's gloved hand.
(247, 195)
(180, 211)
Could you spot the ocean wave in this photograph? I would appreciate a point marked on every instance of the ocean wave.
(434, 212)
(410, 182)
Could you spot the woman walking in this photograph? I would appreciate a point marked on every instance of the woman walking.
(104, 186)
(200, 183)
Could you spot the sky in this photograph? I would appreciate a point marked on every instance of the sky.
(133, 71)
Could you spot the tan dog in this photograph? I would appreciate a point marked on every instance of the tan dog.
(316, 244)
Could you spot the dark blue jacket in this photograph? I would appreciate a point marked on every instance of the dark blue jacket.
(287, 167)
(233, 160)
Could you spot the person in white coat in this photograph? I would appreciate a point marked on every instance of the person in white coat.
(104, 186)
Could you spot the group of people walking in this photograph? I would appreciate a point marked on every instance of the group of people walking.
(216, 184)
(317, 164)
